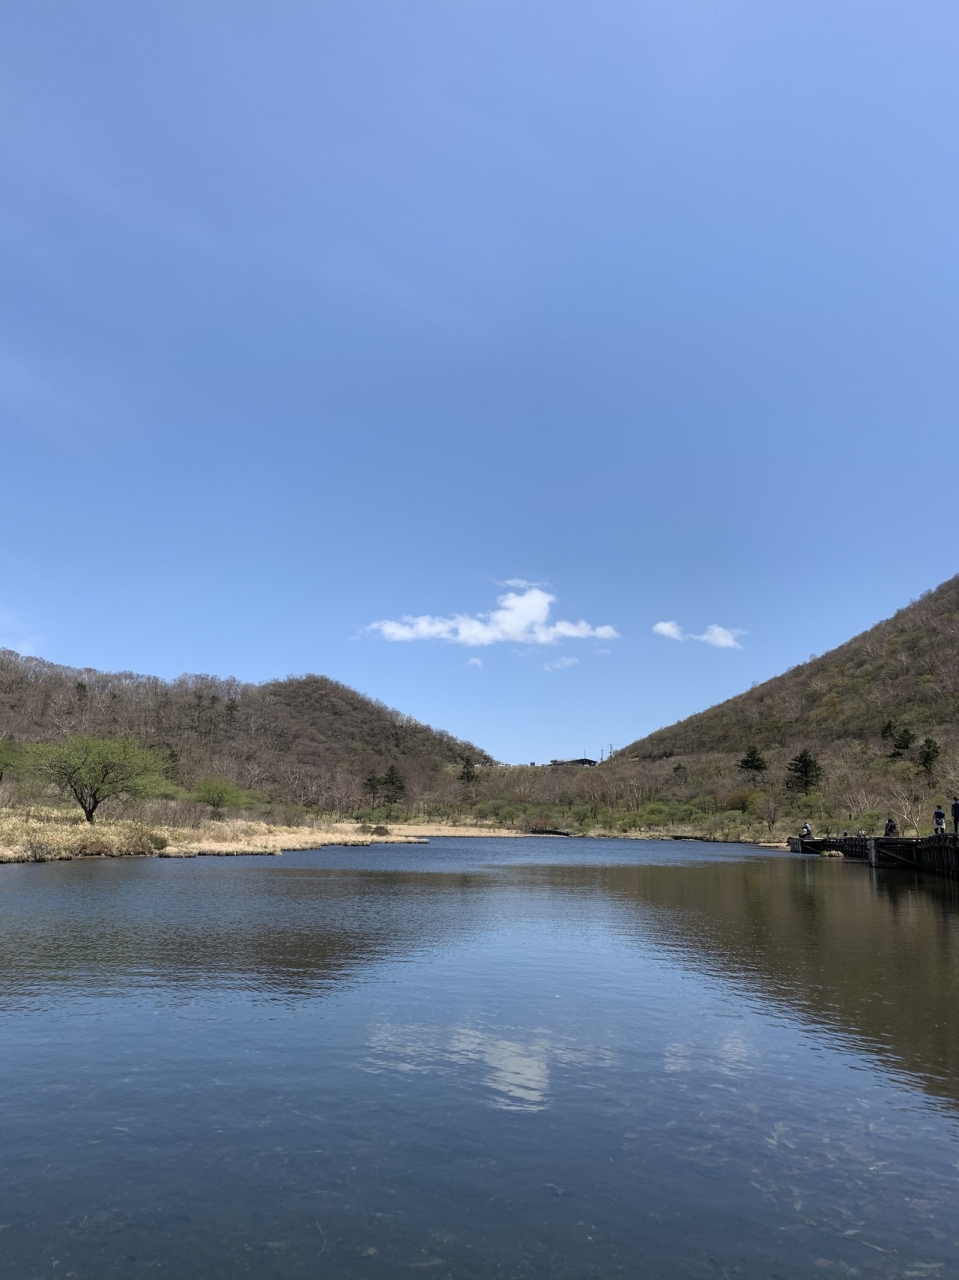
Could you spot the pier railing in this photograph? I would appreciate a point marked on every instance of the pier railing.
(938, 855)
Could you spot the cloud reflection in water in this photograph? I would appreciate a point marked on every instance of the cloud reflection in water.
(517, 1072)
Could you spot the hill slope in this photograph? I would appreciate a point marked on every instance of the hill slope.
(297, 739)
(904, 670)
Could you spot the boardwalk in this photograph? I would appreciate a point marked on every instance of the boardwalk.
(938, 855)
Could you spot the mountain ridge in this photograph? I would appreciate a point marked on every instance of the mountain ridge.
(292, 739)
(903, 671)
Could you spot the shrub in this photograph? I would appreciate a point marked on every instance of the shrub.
(219, 794)
(742, 799)
(655, 815)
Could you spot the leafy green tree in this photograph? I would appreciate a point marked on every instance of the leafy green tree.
(753, 762)
(888, 729)
(394, 785)
(94, 769)
(927, 756)
(219, 794)
(805, 772)
(901, 743)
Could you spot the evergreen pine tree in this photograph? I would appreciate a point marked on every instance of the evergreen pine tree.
(371, 785)
(805, 772)
(901, 743)
(753, 762)
(927, 756)
(393, 785)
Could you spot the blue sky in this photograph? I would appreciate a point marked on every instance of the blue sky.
(470, 320)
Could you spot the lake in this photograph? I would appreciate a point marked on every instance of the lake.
(479, 1058)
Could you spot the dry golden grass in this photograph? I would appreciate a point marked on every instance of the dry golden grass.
(43, 835)
(241, 837)
(40, 835)
(48, 834)
(421, 830)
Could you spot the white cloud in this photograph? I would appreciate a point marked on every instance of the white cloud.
(715, 635)
(474, 662)
(720, 637)
(523, 617)
(560, 664)
(672, 630)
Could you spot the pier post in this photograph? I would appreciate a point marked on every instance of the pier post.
(871, 852)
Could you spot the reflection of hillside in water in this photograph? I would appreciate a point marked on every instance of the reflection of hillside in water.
(874, 958)
(279, 932)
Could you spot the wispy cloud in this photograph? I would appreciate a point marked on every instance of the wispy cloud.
(13, 635)
(715, 635)
(522, 617)
(721, 637)
(474, 662)
(560, 664)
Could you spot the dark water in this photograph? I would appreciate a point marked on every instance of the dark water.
(480, 1058)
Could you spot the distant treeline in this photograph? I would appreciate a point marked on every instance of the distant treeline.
(306, 741)
(758, 796)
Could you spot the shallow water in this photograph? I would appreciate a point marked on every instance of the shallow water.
(479, 1058)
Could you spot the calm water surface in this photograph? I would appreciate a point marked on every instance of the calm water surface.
(480, 1058)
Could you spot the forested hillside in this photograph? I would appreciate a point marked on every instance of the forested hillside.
(846, 740)
(901, 674)
(299, 739)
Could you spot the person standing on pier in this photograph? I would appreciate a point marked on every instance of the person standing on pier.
(891, 828)
(955, 814)
(939, 820)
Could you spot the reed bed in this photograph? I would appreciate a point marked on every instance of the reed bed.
(49, 835)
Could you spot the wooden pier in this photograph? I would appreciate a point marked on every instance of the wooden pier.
(937, 855)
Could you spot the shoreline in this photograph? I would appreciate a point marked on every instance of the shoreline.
(59, 840)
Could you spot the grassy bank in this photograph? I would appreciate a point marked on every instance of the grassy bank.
(49, 834)
(45, 834)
